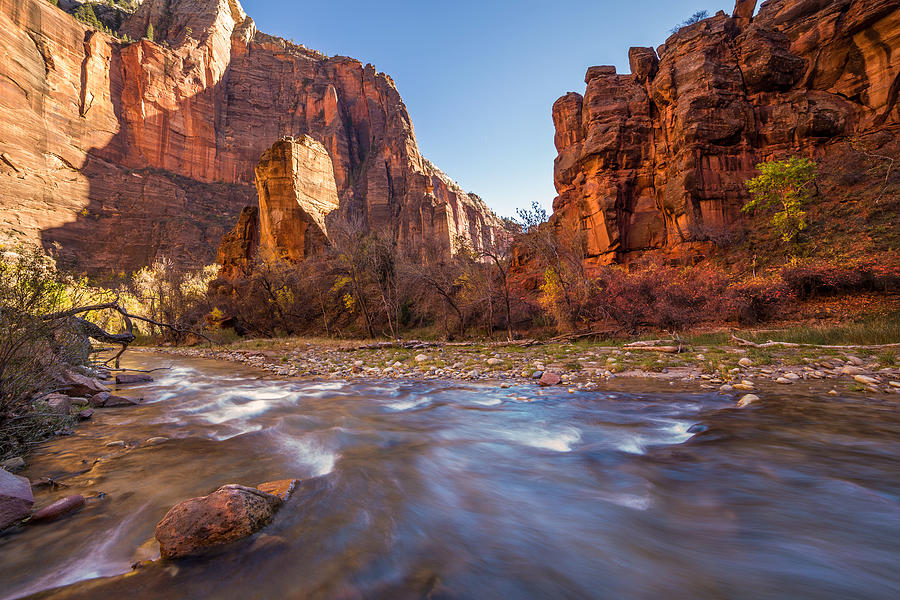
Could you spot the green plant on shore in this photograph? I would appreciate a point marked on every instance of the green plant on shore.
(786, 186)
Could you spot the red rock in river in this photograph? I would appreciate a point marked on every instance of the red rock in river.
(657, 160)
(228, 514)
(15, 498)
(58, 509)
(549, 379)
(126, 378)
(122, 152)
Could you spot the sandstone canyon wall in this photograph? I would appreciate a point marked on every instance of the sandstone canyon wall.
(657, 160)
(121, 152)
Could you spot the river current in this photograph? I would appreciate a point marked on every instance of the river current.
(460, 490)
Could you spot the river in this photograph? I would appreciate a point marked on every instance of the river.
(449, 490)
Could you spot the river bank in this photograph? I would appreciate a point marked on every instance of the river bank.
(580, 365)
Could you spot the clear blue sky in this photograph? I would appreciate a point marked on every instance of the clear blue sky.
(480, 78)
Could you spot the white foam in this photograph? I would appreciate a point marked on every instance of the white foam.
(560, 440)
(309, 452)
(406, 404)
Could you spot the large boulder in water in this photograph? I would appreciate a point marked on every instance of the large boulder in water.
(228, 514)
(15, 498)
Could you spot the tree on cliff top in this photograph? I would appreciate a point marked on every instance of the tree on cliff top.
(149, 34)
(692, 20)
(785, 185)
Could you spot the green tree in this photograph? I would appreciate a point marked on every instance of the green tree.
(149, 34)
(786, 186)
(85, 14)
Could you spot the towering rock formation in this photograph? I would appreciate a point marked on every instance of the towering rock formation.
(295, 182)
(123, 151)
(658, 159)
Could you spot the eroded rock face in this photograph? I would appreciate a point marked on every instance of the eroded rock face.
(122, 152)
(297, 191)
(657, 160)
(230, 513)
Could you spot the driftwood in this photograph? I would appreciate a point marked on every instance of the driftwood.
(771, 344)
(97, 333)
(667, 349)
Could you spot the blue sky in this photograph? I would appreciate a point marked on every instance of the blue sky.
(480, 78)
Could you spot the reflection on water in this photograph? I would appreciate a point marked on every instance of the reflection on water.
(463, 491)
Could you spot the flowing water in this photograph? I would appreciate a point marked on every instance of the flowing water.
(446, 490)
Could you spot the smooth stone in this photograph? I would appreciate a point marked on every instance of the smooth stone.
(834, 393)
(783, 381)
(121, 401)
(851, 370)
(58, 508)
(747, 400)
(421, 357)
(537, 374)
(494, 362)
(866, 380)
(16, 499)
(745, 362)
(894, 384)
(86, 414)
(156, 440)
(126, 378)
(549, 379)
(115, 444)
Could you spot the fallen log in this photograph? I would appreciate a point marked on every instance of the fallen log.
(771, 344)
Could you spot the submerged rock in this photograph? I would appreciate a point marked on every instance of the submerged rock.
(58, 508)
(230, 513)
(283, 489)
(16, 499)
(120, 401)
(126, 378)
(747, 400)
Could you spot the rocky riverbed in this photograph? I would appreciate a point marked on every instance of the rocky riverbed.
(579, 366)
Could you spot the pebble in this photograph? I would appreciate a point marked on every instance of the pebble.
(783, 380)
(726, 388)
(494, 362)
(537, 374)
(744, 387)
(894, 384)
(420, 358)
(834, 393)
(745, 362)
(116, 444)
(866, 380)
(792, 376)
(156, 440)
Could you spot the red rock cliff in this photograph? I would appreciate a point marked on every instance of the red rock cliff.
(122, 151)
(657, 160)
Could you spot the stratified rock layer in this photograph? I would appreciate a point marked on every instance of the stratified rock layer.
(657, 160)
(122, 152)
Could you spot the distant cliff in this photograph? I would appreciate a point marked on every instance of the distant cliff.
(121, 151)
(657, 160)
